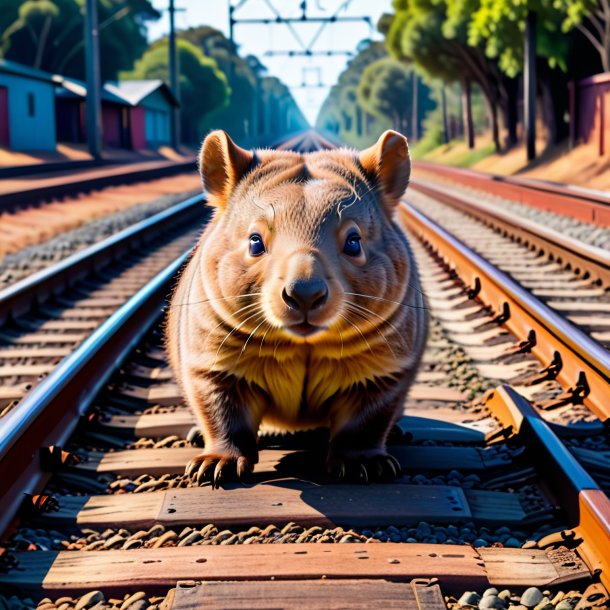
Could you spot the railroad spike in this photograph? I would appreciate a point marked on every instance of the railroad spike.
(54, 457)
(34, 505)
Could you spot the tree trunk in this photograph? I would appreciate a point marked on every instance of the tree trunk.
(415, 113)
(529, 85)
(467, 107)
(444, 111)
(495, 130)
(508, 104)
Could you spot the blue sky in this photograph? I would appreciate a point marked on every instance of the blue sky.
(256, 39)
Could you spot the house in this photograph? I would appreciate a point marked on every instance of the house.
(70, 99)
(27, 108)
(152, 105)
(135, 114)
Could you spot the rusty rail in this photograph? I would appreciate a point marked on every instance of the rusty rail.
(582, 367)
(38, 287)
(583, 204)
(587, 505)
(50, 413)
(564, 249)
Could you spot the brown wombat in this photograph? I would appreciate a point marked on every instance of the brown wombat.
(300, 306)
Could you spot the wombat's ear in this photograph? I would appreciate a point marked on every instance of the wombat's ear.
(222, 164)
(388, 162)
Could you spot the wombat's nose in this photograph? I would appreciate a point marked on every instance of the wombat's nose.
(305, 295)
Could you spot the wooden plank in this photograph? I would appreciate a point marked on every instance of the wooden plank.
(418, 427)
(509, 567)
(173, 460)
(34, 352)
(155, 425)
(324, 594)
(169, 394)
(458, 568)
(278, 502)
(25, 370)
(43, 338)
(494, 506)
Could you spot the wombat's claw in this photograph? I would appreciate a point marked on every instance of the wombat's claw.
(366, 469)
(217, 470)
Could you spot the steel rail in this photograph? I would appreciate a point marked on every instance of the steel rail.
(50, 413)
(587, 506)
(33, 290)
(563, 248)
(67, 185)
(583, 204)
(584, 367)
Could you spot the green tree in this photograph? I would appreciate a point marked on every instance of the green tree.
(48, 34)
(434, 39)
(203, 87)
(341, 113)
(386, 90)
(592, 19)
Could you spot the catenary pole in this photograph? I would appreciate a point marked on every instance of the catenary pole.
(93, 78)
(173, 74)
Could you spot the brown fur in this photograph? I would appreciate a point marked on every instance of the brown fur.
(229, 335)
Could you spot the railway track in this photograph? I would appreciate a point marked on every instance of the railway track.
(502, 503)
(31, 190)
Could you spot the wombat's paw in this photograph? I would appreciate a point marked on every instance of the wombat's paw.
(217, 469)
(364, 468)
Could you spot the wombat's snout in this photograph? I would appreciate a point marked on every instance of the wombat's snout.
(305, 295)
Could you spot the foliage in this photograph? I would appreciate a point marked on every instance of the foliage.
(197, 74)
(386, 90)
(342, 114)
(500, 25)
(48, 34)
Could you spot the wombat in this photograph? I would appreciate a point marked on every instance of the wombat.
(300, 306)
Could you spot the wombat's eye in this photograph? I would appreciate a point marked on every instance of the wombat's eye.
(257, 247)
(352, 245)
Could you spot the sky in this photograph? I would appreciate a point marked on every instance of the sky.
(257, 39)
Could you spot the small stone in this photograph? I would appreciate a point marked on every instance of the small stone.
(491, 602)
(531, 597)
(469, 598)
(505, 594)
(490, 591)
(564, 604)
(480, 542)
(90, 599)
(545, 604)
(132, 599)
(512, 543)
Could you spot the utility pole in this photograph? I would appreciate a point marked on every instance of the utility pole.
(415, 113)
(529, 85)
(94, 84)
(173, 75)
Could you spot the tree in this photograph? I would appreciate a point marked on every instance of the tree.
(237, 115)
(592, 19)
(48, 34)
(341, 114)
(386, 90)
(426, 34)
(203, 87)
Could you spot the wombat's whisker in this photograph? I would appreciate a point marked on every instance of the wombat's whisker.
(263, 338)
(225, 321)
(237, 296)
(370, 311)
(243, 349)
(234, 330)
(375, 326)
(368, 296)
(359, 331)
